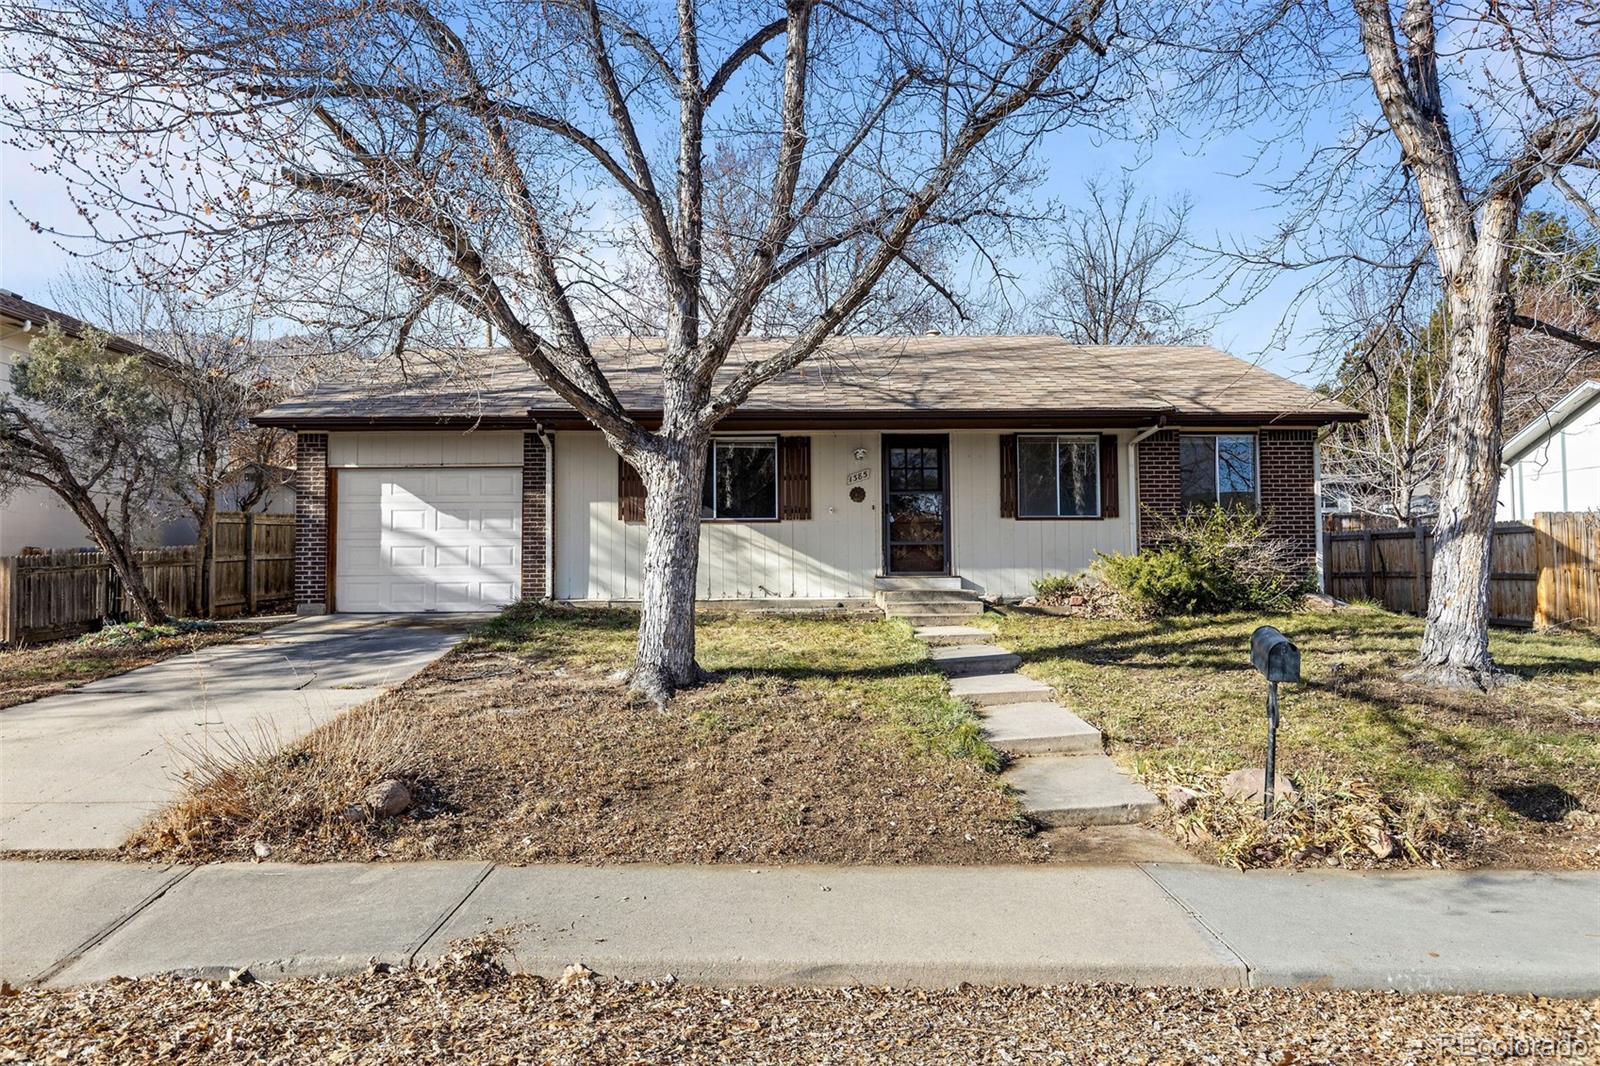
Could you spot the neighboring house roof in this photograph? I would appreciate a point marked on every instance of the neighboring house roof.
(931, 380)
(27, 313)
(1548, 424)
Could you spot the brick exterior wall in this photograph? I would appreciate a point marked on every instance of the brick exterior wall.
(536, 581)
(1287, 470)
(1160, 490)
(1289, 487)
(311, 524)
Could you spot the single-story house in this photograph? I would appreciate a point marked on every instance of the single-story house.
(986, 462)
(1553, 463)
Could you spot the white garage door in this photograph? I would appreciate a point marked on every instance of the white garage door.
(428, 540)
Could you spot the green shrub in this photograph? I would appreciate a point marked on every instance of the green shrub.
(127, 634)
(1056, 586)
(1209, 561)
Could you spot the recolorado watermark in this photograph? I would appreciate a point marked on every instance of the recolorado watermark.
(1482, 1046)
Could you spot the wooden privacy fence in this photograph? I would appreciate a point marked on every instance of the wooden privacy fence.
(1539, 575)
(252, 563)
(55, 594)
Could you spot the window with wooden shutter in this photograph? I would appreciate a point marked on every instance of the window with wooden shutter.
(1109, 492)
(630, 492)
(1008, 475)
(794, 486)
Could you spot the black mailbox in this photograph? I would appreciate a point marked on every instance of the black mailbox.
(1274, 655)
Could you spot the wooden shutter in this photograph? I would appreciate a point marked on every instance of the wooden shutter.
(1008, 475)
(1109, 492)
(794, 478)
(630, 492)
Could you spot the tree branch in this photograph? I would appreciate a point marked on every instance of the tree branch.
(1549, 329)
(741, 55)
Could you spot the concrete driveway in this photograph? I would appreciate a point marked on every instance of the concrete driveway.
(81, 770)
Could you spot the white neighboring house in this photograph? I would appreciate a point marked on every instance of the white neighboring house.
(36, 517)
(1554, 463)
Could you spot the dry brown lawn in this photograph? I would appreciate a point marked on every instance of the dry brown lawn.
(34, 672)
(820, 740)
(1505, 778)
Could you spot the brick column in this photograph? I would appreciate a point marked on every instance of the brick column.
(311, 524)
(1289, 488)
(1160, 487)
(537, 582)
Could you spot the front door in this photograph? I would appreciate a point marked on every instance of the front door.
(916, 505)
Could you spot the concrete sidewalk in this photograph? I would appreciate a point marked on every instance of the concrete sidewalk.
(81, 770)
(75, 922)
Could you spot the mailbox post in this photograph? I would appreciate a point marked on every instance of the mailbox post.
(1277, 659)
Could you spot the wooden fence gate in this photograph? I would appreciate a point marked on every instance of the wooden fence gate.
(1542, 574)
(54, 594)
(252, 563)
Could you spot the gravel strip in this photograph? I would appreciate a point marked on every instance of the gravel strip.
(468, 1010)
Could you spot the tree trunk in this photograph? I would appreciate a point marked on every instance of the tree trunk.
(136, 593)
(665, 655)
(204, 547)
(1455, 643)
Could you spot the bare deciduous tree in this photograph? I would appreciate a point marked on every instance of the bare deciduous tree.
(1393, 373)
(1118, 266)
(506, 157)
(1472, 231)
(1463, 113)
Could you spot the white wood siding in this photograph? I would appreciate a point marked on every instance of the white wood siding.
(1561, 474)
(831, 556)
(838, 552)
(426, 448)
(1003, 556)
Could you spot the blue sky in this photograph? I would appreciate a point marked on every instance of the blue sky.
(1227, 209)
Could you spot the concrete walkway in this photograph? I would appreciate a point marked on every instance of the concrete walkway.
(81, 770)
(76, 922)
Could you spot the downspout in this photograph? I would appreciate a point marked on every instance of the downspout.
(1133, 477)
(1316, 487)
(549, 443)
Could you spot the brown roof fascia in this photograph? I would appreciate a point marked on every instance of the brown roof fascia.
(1066, 418)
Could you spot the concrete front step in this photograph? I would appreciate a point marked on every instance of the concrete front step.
(887, 596)
(998, 689)
(887, 584)
(931, 620)
(1059, 790)
(963, 660)
(941, 636)
(1040, 729)
(904, 608)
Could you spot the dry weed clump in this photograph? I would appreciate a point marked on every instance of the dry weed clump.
(1327, 821)
(243, 788)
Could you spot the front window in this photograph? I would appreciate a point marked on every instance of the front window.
(1058, 477)
(741, 479)
(1218, 470)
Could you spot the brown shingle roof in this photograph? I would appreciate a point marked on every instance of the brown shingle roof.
(24, 311)
(933, 379)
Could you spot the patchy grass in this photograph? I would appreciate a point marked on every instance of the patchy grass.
(820, 740)
(33, 672)
(1511, 777)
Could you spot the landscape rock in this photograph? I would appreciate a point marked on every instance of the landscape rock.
(1321, 601)
(575, 974)
(388, 798)
(1380, 843)
(1246, 785)
(1181, 798)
